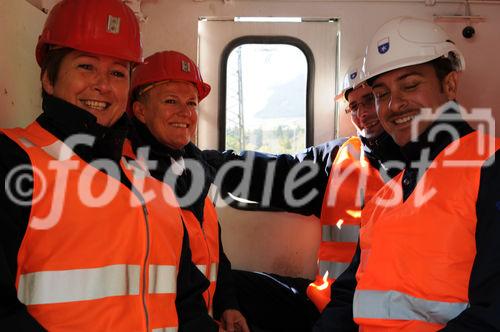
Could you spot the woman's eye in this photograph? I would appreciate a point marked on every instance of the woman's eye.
(192, 104)
(85, 66)
(169, 101)
(118, 73)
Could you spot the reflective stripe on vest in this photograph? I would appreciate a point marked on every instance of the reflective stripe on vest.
(166, 329)
(417, 255)
(214, 268)
(334, 269)
(213, 271)
(397, 305)
(162, 279)
(341, 233)
(202, 268)
(90, 284)
(78, 285)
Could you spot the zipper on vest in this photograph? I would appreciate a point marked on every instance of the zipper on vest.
(146, 258)
(145, 267)
(209, 267)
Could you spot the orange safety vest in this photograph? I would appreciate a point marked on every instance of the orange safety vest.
(95, 258)
(352, 181)
(417, 255)
(204, 243)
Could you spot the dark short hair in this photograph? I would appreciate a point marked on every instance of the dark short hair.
(347, 92)
(51, 63)
(443, 66)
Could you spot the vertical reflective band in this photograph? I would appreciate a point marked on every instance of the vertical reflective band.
(162, 279)
(166, 329)
(26, 142)
(335, 269)
(202, 268)
(78, 285)
(213, 272)
(397, 305)
(59, 151)
(346, 233)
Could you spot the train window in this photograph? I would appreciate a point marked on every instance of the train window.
(266, 101)
(266, 98)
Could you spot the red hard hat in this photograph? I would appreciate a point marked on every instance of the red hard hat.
(104, 27)
(169, 66)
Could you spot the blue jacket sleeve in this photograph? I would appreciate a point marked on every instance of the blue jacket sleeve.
(263, 178)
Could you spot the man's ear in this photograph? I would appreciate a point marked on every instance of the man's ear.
(450, 85)
(138, 108)
(46, 84)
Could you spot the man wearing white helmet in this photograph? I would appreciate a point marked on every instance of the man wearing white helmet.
(342, 174)
(430, 255)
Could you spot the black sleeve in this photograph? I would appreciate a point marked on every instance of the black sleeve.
(225, 292)
(14, 219)
(191, 283)
(262, 177)
(337, 315)
(484, 285)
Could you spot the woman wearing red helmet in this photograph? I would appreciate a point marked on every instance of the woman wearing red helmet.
(85, 246)
(166, 90)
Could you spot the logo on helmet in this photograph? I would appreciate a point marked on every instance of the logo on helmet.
(383, 45)
(113, 24)
(185, 66)
(353, 75)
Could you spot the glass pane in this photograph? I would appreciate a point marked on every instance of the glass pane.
(266, 98)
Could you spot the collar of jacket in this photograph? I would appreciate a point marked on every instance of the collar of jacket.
(142, 137)
(63, 120)
(382, 150)
(412, 151)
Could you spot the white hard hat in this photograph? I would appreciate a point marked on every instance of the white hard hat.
(407, 41)
(353, 77)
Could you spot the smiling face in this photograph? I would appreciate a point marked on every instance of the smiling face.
(363, 114)
(401, 94)
(169, 112)
(98, 84)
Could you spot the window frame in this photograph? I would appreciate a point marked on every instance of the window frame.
(302, 46)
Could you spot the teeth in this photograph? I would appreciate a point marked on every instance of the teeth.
(179, 125)
(98, 105)
(403, 120)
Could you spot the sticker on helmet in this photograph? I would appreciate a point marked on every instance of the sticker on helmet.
(383, 45)
(353, 75)
(113, 24)
(185, 66)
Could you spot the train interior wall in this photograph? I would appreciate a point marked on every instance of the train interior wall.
(279, 242)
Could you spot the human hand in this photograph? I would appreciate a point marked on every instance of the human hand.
(233, 321)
